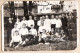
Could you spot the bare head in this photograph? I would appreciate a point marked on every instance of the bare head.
(24, 18)
(24, 25)
(30, 17)
(57, 17)
(47, 17)
(15, 26)
(52, 16)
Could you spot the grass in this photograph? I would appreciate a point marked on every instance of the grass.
(67, 45)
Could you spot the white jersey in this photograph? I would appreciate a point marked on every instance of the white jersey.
(47, 22)
(16, 38)
(58, 23)
(18, 25)
(24, 21)
(23, 31)
(13, 30)
(43, 35)
(53, 21)
(33, 31)
(39, 23)
(30, 22)
(41, 28)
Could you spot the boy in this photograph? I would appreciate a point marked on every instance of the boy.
(34, 33)
(23, 32)
(58, 37)
(16, 39)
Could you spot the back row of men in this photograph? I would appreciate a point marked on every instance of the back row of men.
(43, 23)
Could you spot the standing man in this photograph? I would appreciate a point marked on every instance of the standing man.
(10, 25)
(58, 24)
(30, 22)
(53, 22)
(64, 22)
(47, 24)
(24, 21)
(35, 23)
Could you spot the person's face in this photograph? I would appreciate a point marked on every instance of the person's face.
(60, 16)
(32, 27)
(44, 31)
(42, 23)
(63, 15)
(24, 18)
(10, 19)
(56, 17)
(62, 31)
(15, 25)
(30, 17)
(24, 26)
(43, 17)
(18, 20)
(52, 16)
(40, 18)
(35, 17)
(47, 17)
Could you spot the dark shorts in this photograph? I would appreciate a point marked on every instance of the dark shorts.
(15, 43)
(23, 37)
(53, 25)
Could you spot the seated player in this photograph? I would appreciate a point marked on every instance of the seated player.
(58, 37)
(23, 32)
(14, 29)
(52, 33)
(45, 37)
(16, 39)
(63, 35)
(34, 33)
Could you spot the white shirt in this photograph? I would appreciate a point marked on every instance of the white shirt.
(30, 22)
(58, 23)
(48, 29)
(24, 21)
(53, 21)
(16, 38)
(33, 31)
(39, 23)
(43, 35)
(23, 31)
(47, 22)
(18, 25)
(41, 28)
(13, 30)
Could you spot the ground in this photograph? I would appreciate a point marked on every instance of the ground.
(67, 45)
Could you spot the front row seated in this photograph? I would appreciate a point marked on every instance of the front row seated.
(25, 37)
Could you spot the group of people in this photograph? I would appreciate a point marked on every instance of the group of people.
(33, 31)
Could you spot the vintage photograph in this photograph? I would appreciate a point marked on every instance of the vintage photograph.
(39, 25)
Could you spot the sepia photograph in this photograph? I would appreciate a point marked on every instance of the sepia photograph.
(39, 25)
